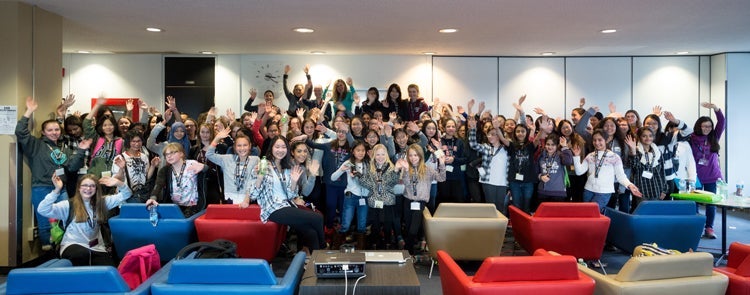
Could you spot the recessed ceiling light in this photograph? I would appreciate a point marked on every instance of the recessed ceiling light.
(154, 29)
(84, 51)
(448, 31)
(318, 52)
(303, 30)
(608, 31)
(682, 52)
(548, 53)
(206, 52)
(428, 52)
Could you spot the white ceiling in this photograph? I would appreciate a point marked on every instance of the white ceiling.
(486, 27)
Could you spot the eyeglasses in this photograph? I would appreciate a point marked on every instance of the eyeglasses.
(88, 185)
(167, 154)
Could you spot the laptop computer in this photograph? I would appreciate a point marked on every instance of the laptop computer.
(385, 257)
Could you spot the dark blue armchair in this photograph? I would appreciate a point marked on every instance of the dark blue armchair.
(670, 224)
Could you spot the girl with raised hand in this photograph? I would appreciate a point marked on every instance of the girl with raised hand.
(179, 181)
(135, 168)
(616, 143)
(237, 168)
(335, 153)
(577, 182)
(391, 101)
(83, 242)
(355, 193)
(417, 180)
(452, 189)
(214, 175)
(380, 180)
(276, 191)
(177, 133)
(433, 149)
(705, 144)
(47, 155)
(521, 176)
(493, 173)
(555, 158)
(647, 164)
(604, 168)
(107, 141)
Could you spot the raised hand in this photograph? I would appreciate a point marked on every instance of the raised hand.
(656, 110)
(57, 182)
(85, 144)
(521, 99)
(708, 105)
(581, 102)
(296, 172)
(669, 116)
(253, 93)
(392, 116)
(120, 162)
(231, 114)
(195, 168)
(307, 69)
(155, 161)
(612, 107)
(167, 115)
(297, 138)
(387, 130)
(349, 81)
(171, 103)
(518, 107)
(143, 105)
(129, 105)
(110, 181)
(481, 107)
(69, 100)
(563, 142)
(472, 122)
(212, 112)
(153, 110)
(470, 106)
(222, 134)
(576, 149)
(540, 111)
(101, 99)
(356, 98)
(459, 109)
(630, 141)
(287, 69)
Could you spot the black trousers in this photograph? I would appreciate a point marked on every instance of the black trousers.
(82, 256)
(450, 191)
(413, 231)
(381, 219)
(307, 223)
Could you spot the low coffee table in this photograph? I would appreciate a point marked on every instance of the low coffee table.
(382, 278)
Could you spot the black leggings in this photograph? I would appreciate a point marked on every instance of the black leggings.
(381, 219)
(307, 223)
(82, 256)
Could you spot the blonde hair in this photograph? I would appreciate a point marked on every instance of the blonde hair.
(421, 169)
(173, 147)
(375, 149)
(98, 205)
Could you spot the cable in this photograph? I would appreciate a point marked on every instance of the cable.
(354, 290)
(345, 267)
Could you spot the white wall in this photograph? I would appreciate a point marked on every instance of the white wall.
(737, 104)
(459, 79)
(541, 79)
(600, 80)
(670, 82)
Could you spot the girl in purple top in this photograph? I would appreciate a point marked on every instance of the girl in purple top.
(705, 145)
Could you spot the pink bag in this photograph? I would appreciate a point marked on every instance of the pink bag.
(139, 264)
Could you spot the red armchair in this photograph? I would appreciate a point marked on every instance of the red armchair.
(737, 269)
(540, 274)
(576, 229)
(254, 238)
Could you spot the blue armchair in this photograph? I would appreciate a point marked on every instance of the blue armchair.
(670, 224)
(58, 276)
(229, 276)
(132, 229)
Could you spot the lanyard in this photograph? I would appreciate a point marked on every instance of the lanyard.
(379, 178)
(414, 183)
(239, 174)
(179, 176)
(650, 162)
(599, 164)
(548, 162)
(58, 156)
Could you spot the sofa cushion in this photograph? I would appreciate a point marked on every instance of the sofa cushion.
(647, 268)
(744, 268)
(221, 271)
(138, 211)
(232, 212)
(665, 208)
(451, 210)
(527, 268)
(567, 210)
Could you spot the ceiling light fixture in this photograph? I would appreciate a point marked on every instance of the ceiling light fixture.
(448, 31)
(152, 29)
(548, 53)
(608, 31)
(206, 52)
(84, 51)
(428, 52)
(303, 30)
(682, 52)
(318, 52)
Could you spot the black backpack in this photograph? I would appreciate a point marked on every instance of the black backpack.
(219, 248)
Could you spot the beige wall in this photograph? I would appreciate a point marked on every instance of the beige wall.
(31, 62)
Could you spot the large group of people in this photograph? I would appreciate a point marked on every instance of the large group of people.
(337, 169)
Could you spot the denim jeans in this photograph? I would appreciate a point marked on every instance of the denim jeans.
(497, 195)
(351, 204)
(334, 202)
(37, 195)
(521, 193)
(710, 209)
(598, 198)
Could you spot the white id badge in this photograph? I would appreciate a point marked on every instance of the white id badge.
(362, 202)
(59, 171)
(481, 171)
(647, 174)
(519, 176)
(448, 168)
(415, 206)
(463, 167)
(702, 162)
(106, 174)
(378, 204)
(83, 170)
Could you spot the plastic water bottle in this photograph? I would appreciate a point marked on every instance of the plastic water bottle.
(153, 216)
(740, 187)
(262, 166)
(721, 189)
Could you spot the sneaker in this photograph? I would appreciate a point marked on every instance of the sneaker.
(46, 248)
(709, 233)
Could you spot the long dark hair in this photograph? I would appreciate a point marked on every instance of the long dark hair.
(711, 136)
(100, 122)
(658, 134)
(286, 161)
(618, 137)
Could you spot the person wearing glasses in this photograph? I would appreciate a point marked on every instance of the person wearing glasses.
(179, 182)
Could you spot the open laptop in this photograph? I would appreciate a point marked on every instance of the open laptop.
(384, 257)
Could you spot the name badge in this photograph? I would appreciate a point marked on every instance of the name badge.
(448, 168)
(106, 174)
(703, 162)
(59, 171)
(83, 170)
(647, 174)
(519, 176)
(362, 202)
(415, 206)
(463, 167)
(378, 204)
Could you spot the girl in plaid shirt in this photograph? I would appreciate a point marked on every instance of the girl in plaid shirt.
(494, 180)
(647, 164)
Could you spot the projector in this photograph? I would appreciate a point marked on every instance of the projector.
(334, 264)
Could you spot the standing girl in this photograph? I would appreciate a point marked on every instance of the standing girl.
(355, 193)
(134, 166)
(705, 144)
(603, 167)
(521, 167)
(647, 164)
(493, 173)
(380, 180)
(178, 182)
(107, 141)
(553, 163)
(237, 177)
(452, 189)
(417, 180)
(335, 153)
